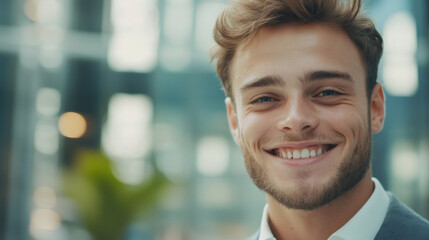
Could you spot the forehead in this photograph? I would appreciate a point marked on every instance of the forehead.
(294, 49)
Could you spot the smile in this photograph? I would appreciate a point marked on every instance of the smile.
(301, 153)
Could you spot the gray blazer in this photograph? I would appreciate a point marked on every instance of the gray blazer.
(401, 223)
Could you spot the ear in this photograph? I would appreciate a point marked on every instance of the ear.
(232, 120)
(377, 106)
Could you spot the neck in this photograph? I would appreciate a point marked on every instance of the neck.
(286, 223)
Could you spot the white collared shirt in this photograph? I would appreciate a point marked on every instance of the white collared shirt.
(363, 225)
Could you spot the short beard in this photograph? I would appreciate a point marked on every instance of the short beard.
(349, 173)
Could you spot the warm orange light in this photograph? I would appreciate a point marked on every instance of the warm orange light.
(72, 125)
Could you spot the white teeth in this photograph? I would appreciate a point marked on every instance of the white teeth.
(282, 154)
(296, 154)
(305, 153)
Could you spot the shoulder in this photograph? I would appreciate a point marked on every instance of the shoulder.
(401, 222)
(253, 237)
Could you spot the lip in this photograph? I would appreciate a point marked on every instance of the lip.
(302, 162)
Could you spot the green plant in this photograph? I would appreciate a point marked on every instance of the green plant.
(106, 205)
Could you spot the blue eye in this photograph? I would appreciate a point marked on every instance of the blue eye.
(264, 100)
(327, 93)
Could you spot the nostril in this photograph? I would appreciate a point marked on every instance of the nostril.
(306, 127)
(297, 122)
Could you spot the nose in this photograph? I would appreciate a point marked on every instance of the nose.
(297, 116)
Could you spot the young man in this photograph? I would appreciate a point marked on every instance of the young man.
(302, 103)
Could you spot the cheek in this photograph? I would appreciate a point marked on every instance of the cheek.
(253, 128)
(349, 121)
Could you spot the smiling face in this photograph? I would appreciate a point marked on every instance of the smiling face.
(301, 113)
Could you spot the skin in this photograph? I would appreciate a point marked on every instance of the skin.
(304, 86)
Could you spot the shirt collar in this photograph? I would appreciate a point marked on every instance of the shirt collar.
(265, 231)
(369, 217)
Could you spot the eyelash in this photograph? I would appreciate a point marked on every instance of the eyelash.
(332, 93)
(267, 99)
(261, 100)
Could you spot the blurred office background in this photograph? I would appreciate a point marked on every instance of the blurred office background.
(132, 80)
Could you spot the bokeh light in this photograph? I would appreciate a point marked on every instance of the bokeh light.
(72, 125)
(45, 197)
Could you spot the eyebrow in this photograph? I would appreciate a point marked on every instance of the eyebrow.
(263, 82)
(311, 76)
(326, 74)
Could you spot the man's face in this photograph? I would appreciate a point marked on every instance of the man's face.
(301, 113)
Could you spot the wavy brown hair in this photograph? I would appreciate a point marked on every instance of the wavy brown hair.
(242, 19)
